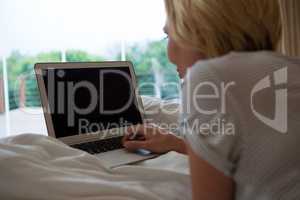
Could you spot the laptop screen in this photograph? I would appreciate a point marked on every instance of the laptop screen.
(88, 100)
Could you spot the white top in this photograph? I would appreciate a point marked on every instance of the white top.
(242, 115)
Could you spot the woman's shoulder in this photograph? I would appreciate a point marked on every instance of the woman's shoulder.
(240, 55)
(243, 67)
(246, 58)
(247, 80)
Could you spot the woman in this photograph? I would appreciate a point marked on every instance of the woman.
(238, 146)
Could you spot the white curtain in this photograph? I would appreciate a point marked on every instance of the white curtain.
(291, 27)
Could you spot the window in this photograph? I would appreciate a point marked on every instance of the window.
(65, 30)
(2, 108)
(156, 75)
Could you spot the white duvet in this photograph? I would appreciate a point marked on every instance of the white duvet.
(39, 167)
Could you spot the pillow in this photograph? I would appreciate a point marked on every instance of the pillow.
(164, 113)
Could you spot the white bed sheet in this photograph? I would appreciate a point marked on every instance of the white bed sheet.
(39, 167)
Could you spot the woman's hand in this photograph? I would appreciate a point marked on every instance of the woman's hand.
(152, 138)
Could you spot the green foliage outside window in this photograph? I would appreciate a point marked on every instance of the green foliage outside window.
(21, 66)
(81, 56)
(150, 62)
(1, 68)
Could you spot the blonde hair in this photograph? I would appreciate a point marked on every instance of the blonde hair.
(290, 11)
(216, 27)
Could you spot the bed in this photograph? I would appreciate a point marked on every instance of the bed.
(40, 167)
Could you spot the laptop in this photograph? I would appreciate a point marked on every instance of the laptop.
(89, 106)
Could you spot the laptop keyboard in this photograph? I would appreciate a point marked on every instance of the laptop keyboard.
(100, 146)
